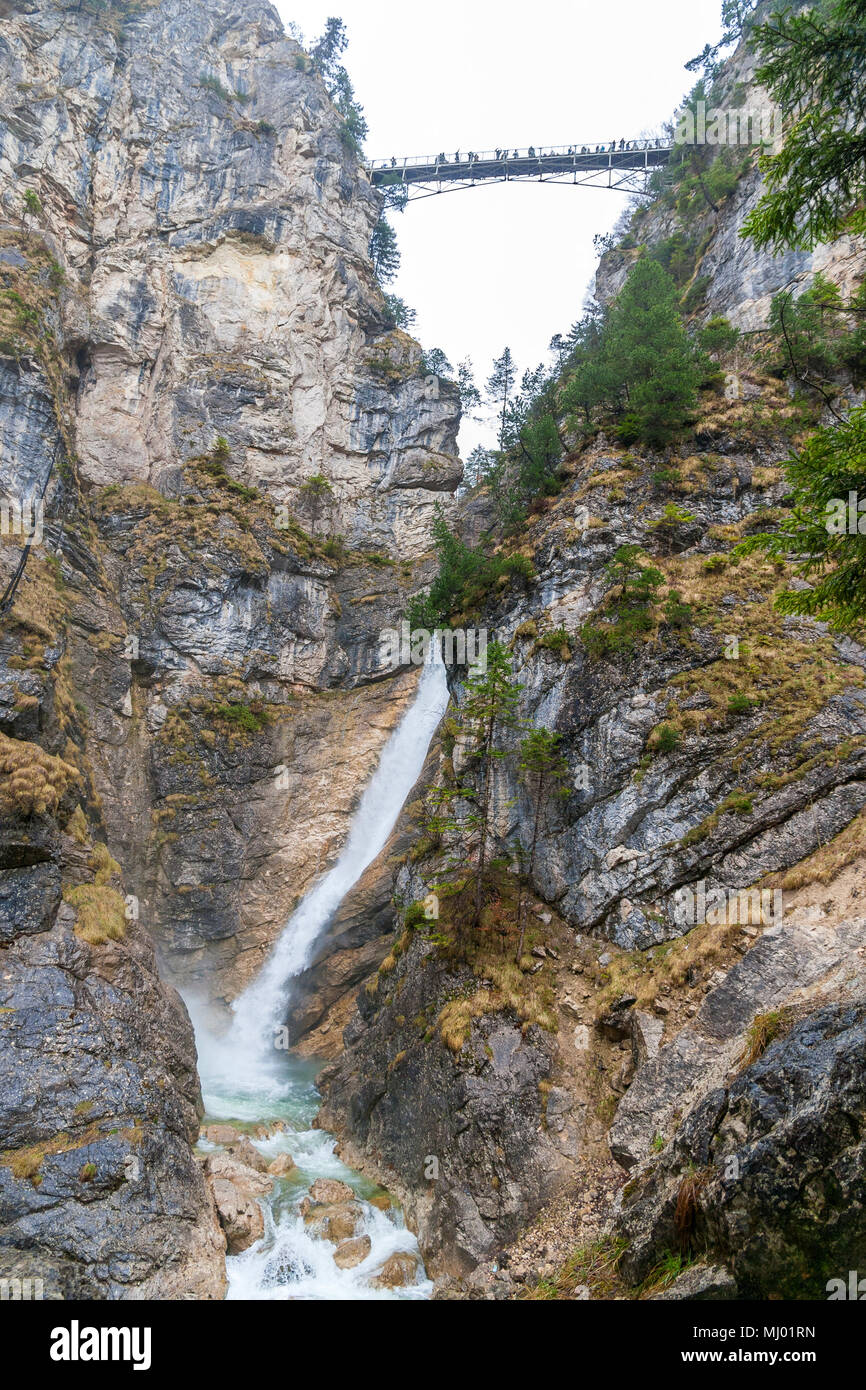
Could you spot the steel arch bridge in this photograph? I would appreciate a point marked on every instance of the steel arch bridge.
(625, 165)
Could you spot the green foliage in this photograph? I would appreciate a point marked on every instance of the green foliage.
(488, 707)
(557, 641)
(466, 577)
(813, 338)
(699, 176)
(32, 205)
(214, 465)
(628, 615)
(737, 20)
(250, 718)
(638, 363)
(676, 254)
(816, 533)
(677, 614)
(718, 336)
(667, 739)
(544, 769)
(814, 67)
(397, 312)
(499, 388)
(651, 357)
(315, 498)
(416, 915)
(470, 396)
(209, 83)
(384, 251)
(672, 519)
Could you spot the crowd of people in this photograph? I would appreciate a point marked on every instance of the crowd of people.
(504, 155)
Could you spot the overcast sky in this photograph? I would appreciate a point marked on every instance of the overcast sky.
(512, 263)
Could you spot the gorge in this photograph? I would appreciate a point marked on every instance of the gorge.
(261, 1035)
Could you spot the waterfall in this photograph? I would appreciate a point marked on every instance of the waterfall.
(245, 1078)
(261, 1009)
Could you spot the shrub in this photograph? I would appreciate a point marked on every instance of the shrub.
(677, 613)
(740, 704)
(558, 641)
(666, 739)
(213, 84)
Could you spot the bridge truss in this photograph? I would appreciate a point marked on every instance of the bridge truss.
(626, 166)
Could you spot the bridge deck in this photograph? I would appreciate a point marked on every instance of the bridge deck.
(522, 164)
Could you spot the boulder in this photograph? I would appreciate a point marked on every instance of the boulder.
(282, 1165)
(336, 1223)
(646, 1036)
(616, 1023)
(226, 1167)
(350, 1253)
(240, 1215)
(399, 1271)
(327, 1191)
(248, 1154)
(221, 1134)
(700, 1283)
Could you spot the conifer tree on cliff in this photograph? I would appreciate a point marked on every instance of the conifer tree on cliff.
(814, 67)
(488, 709)
(500, 387)
(544, 768)
(648, 357)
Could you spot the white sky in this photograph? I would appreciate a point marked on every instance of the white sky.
(509, 264)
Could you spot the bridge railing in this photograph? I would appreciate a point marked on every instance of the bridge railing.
(509, 156)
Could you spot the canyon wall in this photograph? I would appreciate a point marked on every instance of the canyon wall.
(719, 756)
(192, 691)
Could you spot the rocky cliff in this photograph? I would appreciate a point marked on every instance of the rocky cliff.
(193, 695)
(717, 759)
(192, 689)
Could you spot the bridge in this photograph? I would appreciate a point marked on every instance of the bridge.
(626, 165)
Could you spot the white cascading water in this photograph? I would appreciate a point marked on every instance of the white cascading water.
(245, 1078)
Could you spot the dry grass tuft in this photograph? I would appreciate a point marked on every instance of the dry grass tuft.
(101, 913)
(34, 782)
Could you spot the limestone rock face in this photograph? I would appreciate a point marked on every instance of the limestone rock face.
(398, 1098)
(192, 688)
(779, 1152)
(790, 962)
(99, 1104)
(214, 227)
(739, 280)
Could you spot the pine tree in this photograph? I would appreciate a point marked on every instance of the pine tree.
(328, 49)
(499, 388)
(315, 497)
(489, 707)
(384, 251)
(822, 533)
(470, 396)
(814, 67)
(649, 357)
(544, 767)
